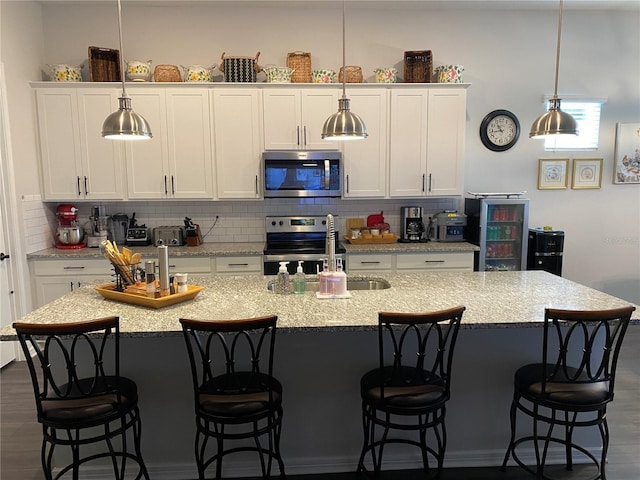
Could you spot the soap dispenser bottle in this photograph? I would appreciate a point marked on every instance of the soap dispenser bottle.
(323, 277)
(299, 280)
(283, 285)
(340, 279)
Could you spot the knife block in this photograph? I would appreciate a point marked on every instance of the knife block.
(194, 237)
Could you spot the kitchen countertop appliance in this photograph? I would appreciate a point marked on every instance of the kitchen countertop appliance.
(169, 236)
(99, 226)
(295, 238)
(412, 225)
(450, 226)
(119, 225)
(69, 235)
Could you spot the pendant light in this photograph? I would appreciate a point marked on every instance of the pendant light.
(344, 125)
(125, 124)
(555, 121)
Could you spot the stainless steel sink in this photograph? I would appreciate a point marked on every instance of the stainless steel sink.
(352, 284)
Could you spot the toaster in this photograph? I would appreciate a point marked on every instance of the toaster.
(169, 236)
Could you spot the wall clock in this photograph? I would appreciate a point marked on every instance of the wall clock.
(499, 130)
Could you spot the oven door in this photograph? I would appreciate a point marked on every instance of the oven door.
(302, 174)
(312, 263)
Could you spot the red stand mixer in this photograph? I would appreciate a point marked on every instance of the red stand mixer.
(69, 234)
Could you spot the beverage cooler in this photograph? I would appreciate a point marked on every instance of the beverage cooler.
(499, 226)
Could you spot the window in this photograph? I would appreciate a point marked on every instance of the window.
(587, 114)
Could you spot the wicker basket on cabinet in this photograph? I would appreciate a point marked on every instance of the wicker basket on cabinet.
(418, 66)
(300, 63)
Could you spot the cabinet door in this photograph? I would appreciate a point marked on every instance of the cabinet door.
(293, 118)
(148, 161)
(445, 142)
(282, 112)
(189, 143)
(60, 154)
(407, 143)
(317, 106)
(101, 159)
(236, 126)
(365, 161)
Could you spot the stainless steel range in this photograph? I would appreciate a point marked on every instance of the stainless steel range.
(290, 239)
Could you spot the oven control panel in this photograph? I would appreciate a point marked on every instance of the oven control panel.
(296, 224)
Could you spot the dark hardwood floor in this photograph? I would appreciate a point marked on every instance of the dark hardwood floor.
(21, 435)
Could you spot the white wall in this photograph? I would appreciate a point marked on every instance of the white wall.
(508, 56)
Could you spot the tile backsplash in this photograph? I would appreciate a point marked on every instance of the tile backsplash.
(224, 221)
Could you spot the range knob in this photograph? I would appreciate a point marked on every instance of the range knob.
(273, 223)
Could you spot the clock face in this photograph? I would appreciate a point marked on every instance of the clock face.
(499, 130)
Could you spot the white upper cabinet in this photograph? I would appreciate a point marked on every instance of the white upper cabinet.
(293, 118)
(236, 127)
(365, 161)
(408, 143)
(445, 141)
(177, 161)
(427, 142)
(77, 163)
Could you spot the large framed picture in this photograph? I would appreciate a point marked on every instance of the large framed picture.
(587, 173)
(552, 173)
(626, 168)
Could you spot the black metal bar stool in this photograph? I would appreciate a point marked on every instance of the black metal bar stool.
(236, 396)
(571, 388)
(409, 390)
(81, 399)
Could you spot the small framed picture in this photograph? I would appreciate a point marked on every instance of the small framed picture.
(587, 173)
(626, 167)
(552, 173)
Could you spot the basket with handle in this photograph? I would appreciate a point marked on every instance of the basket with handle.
(240, 69)
(300, 62)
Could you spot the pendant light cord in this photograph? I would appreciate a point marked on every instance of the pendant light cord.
(344, 53)
(124, 93)
(555, 94)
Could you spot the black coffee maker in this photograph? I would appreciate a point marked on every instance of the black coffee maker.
(412, 226)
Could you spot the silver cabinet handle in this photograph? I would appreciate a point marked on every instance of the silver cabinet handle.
(165, 185)
(347, 180)
(237, 264)
(73, 268)
(370, 262)
(173, 187)
(423, 182)
(78, 185)
(86, 191)
(256, 184)
(429, 182)
(304, 137)
(298, 135)
(434, 261)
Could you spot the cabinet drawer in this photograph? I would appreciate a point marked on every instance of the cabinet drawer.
(369, 262)
(98, 266)
(184, 264)
(435, 261)
(239, 265)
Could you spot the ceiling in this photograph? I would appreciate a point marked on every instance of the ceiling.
(451, 4)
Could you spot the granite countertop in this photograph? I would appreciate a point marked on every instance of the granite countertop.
(253, 248)
(204, 250)
(492, 300)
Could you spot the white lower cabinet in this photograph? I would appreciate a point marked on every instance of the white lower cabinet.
(410, 262)
(370, 262)
(445, 261)
(52, 279)
(244, 265)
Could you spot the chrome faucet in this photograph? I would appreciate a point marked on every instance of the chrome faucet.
(330, 243)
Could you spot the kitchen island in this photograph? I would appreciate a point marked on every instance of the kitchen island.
(323, 348)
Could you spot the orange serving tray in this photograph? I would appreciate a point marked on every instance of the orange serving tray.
(373, 239)
(107, 291)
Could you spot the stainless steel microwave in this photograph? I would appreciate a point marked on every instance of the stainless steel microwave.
(302, 173)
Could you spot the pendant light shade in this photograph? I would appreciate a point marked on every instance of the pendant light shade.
(125, 124)
(555, 121)
(344, 125)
